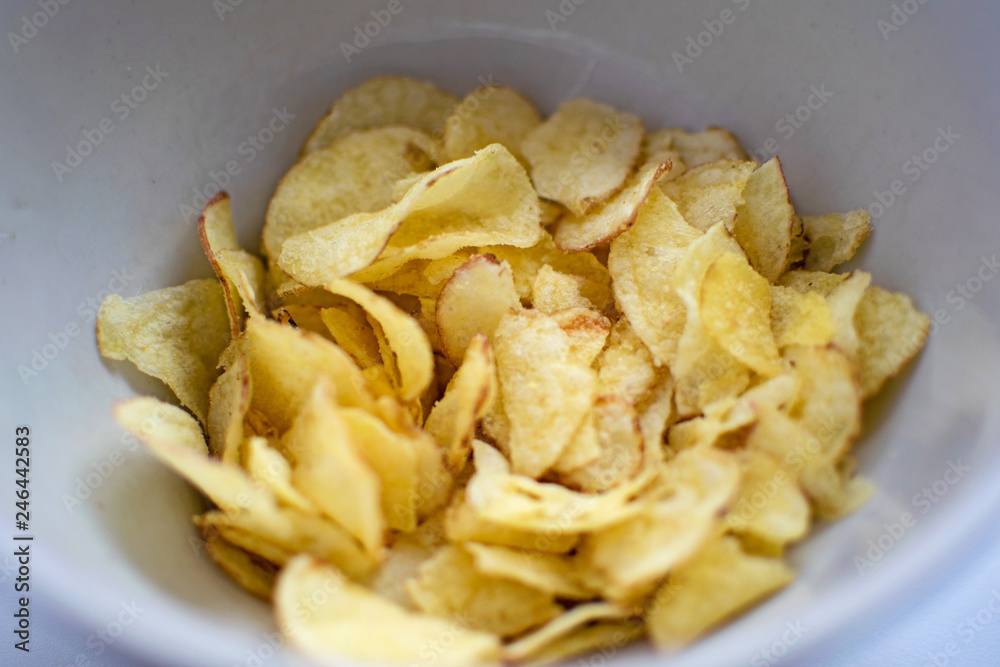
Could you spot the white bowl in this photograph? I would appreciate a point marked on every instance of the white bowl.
(885, 84)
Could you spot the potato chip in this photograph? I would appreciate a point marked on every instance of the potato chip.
(581, 616)
(453, 419)
(736, 310)
(625, 367)
(765, 219)
(354, 174)
(331, 473)
(489, 115)
(285, 363)
(620, 444)
(482, 200)
(812, 281)
(549, 573)
(546, 393)
(629, 558)
(464, 524)
(253, 573)
(381, 102)
(526, 504)
(582, 154)
(799, 319)
(843, 303)
(347, 621)
(656, 414)
(241, 274)
(349, 328)
(525, 263)
(554, 291)
(712, 586)
(153, 421)
(394, 457)
(448, 585)
(268, 467)
(228, 403)
(891, 332)
(588, 331)
(705, 371)
(770, 505)
(829, 401)
(411, 351)
(641, 261)
(583, 449)
(409, 551)
(603, 224)
(834, 238)
(696, 148)
(175, 334)
(475, 299)
(710, 193)
(422, 278)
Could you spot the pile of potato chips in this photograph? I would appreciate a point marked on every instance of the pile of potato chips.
(507, 388)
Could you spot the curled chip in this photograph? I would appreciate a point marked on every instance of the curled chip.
(475, 299)
(606, 222)
(349, 621)
(582, 154)
(175, 334)
(482, 200)
(381, 102)
(354, 174)
(465, 415)
(765, 220)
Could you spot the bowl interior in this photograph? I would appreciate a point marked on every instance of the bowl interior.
(899, 124)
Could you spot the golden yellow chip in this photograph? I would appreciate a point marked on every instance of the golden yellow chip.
(228, 403)
(489, 115)
(347, 621)
(253, 573)
(603, 224)
(475, 299)
(891, 332)
(765, 219)
(712, 586)
(799, 318)
(330, 471)
(354, 174)
(469, 395)
(546, 392)
(641, 262)
(267, 466)
(582, 154)
(536, 644)
(381, 102)
(834, 238)
(411, 351)
(696, 148)
(736, 310)
(175, 334)
(241, 274)
(620, 448)
(710, 193)
(843, 303)
(448, 585)
(483, 200)
(464, 524)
